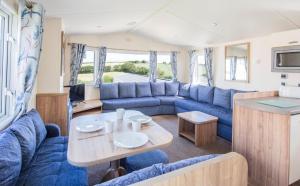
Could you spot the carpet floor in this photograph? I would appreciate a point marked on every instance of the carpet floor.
(178, 150)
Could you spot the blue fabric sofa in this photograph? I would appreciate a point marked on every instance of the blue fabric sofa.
(171, 98)
(32, 153)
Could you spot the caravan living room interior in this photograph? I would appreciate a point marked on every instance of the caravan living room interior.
(149, 92)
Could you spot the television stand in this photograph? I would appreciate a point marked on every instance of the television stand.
(87, 107)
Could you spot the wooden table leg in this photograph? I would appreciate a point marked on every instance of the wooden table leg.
(115, 170)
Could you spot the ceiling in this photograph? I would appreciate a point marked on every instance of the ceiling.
(180, 22)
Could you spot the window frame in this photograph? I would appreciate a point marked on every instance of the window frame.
(196, 71)
(169, 54)
(96, 61)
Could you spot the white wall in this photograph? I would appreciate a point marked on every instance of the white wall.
(261, 77)
(124, 41)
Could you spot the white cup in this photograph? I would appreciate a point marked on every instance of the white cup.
(136, 126)
(109, 125)
(120, 113)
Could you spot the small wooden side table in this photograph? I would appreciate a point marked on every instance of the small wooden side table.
(87, 107)
(198, 127)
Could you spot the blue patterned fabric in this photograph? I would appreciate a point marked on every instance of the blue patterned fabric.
(24, 130)
(143, 160)
(101, 66)
(126, 103)
(158, 89)
(206, 94)
(77, 55)
(208, 56)
(50, 166)
(184, 89)
(167, 100)
(109, 91)
(29, 54)
(173, 61)
(53, 130)
(136, 176)
(192, 63)
(10, 158)
(127, 90)
(153, 66)
(171, 88)
(194, 92)
(222, 98)
(143, 89)
(39, 126)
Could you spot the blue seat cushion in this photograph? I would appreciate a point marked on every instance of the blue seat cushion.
(222, 98)
(143, 89)
(130, 103)
(167, 100)
(224, 115)
(109, 91)
(206, 94)
(50, 166)
(184, 89)
(158, 89)
(194, 92)
(127, 90)
(172, 88)
(144, 160)
(10, 158)
(225, 131)
(39, 126)
(24, 130)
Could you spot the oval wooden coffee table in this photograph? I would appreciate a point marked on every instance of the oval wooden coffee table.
(198, 127)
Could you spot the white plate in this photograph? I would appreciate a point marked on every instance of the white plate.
(140, 118)
(90, 126)
(130, 139)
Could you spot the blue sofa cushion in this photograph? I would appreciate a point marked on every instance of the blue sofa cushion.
(167, 100)
(143, 89)
(109, 91)
(127, 90)
(130, 103)
(144, 160)
(172, 88)
(39, 126)
(10, 158)
(24, 130)
(158, 89)
(222, 98)
(206, 94)
(184, 90)
(136, 176)
(225, 131)
(50, 166)
(194, 92)
(224, 115)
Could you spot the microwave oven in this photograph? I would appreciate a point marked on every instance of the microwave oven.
(286, 59)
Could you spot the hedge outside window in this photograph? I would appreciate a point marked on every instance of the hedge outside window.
(164, 69)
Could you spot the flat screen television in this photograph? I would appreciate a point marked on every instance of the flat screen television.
(77, 93)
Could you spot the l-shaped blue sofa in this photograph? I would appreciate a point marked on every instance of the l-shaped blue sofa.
(171, 98)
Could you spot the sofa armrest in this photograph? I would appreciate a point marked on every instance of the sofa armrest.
(53, 130)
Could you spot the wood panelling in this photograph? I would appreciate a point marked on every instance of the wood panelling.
(226, 170)
(53, 109)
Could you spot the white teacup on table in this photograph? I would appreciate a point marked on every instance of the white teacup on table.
(120, 113)
(136, 126)
(109, 126)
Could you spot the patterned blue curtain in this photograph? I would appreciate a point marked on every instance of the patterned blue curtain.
(174, 65)
(77, 55)
(192, 65)
(101, 66)
(153, 66)
(29, 54)
(208, 56)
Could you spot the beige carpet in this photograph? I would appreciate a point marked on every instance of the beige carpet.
(178, 150)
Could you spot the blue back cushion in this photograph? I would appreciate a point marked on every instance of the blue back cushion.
(10, 158)
(127, 90)
(143, 89)
(194, 92)
(158, 89)
(184, 90)
(109, 91)
(222, 98)
(39, 126)
(24, 130)
(206, 94)
(172, 88)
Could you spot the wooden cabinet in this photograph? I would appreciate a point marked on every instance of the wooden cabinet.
(269, 138)
(53, 108)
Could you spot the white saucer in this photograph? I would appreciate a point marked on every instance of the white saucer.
(130, 139)
(140, 118)
(91, 126)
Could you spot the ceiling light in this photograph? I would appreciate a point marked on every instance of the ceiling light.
(131, 23)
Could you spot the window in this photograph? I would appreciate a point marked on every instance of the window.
(8, 58)
(126, 66)
(200, 73)
(87, 71)
(164, 69)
